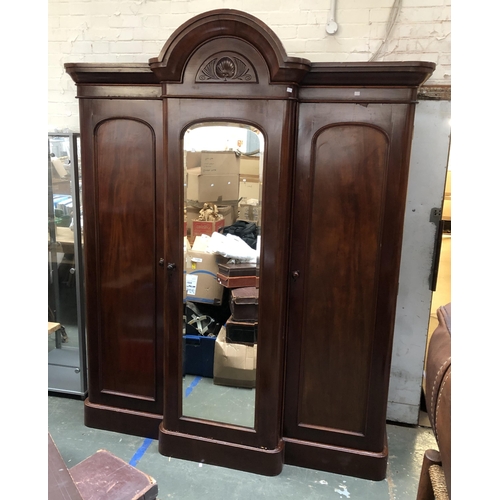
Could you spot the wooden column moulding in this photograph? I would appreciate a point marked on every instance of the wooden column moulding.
(338, 139)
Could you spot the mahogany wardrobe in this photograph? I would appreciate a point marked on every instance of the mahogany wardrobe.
(333, 176)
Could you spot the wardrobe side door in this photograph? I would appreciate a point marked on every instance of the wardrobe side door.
(344, 263)
(123, 220)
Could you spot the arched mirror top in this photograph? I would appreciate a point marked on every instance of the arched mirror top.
(226, 45)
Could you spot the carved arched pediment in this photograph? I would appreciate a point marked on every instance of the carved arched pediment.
(222, 30)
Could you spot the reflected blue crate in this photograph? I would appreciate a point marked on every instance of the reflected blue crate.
(199, 355)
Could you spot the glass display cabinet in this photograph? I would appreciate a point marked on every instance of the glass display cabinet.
(66, 323)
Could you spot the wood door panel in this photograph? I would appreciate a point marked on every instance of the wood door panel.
(124, 173)
(272, 118)
(348, 168)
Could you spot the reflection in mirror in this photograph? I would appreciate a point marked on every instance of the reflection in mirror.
(223, 166)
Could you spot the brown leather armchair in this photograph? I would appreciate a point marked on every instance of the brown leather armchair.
(435, 477)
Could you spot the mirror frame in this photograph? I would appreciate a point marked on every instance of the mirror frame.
(245, 127)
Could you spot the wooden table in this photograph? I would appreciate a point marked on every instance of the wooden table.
(56, 327)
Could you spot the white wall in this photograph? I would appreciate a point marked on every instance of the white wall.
(136, 30)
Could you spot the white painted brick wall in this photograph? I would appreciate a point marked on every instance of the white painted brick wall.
(136, 30)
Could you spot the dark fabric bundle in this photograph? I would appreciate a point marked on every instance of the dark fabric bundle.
(247, 231)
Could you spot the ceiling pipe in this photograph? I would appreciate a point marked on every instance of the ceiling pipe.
(332, 27)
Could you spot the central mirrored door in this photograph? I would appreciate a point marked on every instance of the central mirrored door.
(223, 173)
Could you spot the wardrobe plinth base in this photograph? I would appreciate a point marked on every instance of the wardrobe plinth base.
(345, 461)
(221, 453)
(121, 420)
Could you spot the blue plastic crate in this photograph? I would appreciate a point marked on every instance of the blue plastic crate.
(199, 355)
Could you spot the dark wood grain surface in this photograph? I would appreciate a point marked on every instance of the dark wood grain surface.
(337, 151)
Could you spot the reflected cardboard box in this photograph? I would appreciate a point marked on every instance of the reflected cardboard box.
(192, 185)
(235, 365)
(192, 159)
(187, 246)
(201, 281)
(201, 227)
(219, 163)
(249, 213)
(250, 166)
(250, 188)
(215, 188)
(216, 179)
(218, 188)
(229, 213)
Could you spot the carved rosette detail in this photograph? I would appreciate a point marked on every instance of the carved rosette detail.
(226, 69)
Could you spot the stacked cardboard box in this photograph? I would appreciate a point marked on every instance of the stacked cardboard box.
(202, 288)
(210, 177)
(216, 179)
(201, 268)
(234, 364)
(238, 344)
(250, 192)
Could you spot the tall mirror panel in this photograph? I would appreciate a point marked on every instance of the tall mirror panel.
(223, 167)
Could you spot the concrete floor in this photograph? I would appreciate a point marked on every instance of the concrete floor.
(180, 479)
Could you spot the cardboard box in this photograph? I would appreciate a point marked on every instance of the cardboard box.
(192, 213)
(192, 159)
(219, 163)
(192, 188)
(235, 365)
(250, 165)
(215, 187)
(218, 188)
(249, 188)
(206, 227)
(229, 212)
(187, 246)
(198, 355)
(201, 282)
(250, 213)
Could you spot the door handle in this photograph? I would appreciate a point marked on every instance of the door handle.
(170, 266)
(295, 275)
